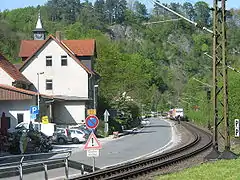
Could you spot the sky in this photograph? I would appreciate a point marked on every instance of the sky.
(13, 4)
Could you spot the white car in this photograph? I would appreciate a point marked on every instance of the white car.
(145, 122)
(78, 136)
(47, 129)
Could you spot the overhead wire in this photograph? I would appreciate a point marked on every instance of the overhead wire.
(181, 16)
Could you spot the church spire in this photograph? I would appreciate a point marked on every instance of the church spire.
(39, 22)
(39, 32)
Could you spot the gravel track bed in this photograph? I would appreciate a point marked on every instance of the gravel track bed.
(191, 162)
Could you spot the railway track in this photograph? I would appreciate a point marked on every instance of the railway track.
(201, 141)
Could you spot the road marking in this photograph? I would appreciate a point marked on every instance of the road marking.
(153, 152)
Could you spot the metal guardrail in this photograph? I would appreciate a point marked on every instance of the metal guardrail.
(26, 161)
(17, 158)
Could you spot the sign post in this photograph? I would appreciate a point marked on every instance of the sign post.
(92, 145)
(237, 133)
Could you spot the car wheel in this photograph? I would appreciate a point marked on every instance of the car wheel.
(61, 141)
(75, 141)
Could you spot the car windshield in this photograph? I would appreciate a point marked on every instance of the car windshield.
(79, 132)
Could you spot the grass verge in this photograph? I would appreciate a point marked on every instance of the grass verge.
(219, 170)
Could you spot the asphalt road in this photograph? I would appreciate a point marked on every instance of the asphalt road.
(149, 139)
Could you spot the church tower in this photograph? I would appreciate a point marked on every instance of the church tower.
(39, 33)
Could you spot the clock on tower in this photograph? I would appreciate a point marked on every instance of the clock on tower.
(39, 32)
(39, 36)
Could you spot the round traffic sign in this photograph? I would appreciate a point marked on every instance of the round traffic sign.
(92, 122)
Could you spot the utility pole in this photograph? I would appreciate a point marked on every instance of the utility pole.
(95, 97)
(38, 93)
(220, 83)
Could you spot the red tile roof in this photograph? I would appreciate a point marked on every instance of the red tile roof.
(65, 48)
(81, 47)
(13, 93)
(10, 69)
(28, 47)
(78, 47)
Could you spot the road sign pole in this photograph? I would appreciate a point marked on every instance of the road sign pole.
(93, 168)
(106, 128)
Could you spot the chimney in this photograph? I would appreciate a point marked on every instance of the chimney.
(58, 35)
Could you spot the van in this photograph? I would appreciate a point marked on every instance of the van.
(47, 129)
(179, 112)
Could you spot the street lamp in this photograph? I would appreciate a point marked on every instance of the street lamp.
(38, 93)
(94, 97)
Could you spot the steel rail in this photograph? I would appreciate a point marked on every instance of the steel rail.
(159, 161)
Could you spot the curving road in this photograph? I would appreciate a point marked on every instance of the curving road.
(156, 135)
(152, 138)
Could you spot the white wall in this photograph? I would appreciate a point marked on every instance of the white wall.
(5, 78)
(12, 108)
(70, 80)
(69, 112)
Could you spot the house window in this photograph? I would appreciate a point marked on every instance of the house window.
(20, 118)
(48, 60)
(49, 84)
(64, 60)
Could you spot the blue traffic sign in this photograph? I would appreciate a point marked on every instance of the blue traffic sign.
(34, 110)
(92, 122)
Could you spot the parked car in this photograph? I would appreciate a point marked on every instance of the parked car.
(145, 122)
(47, 129)
(78, 135)
(62, 136)
(83, 128)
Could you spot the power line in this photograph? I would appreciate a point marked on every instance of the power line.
(156, 22)
(221, 63)
(208, 85)
(181, 16)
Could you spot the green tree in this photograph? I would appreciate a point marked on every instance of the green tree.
(140, 10)
(202, 12)
(189, 10)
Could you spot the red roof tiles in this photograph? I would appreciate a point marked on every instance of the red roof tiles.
(13, 93)
(28, 47)
(81, 47)
(10, 69)
(78, 47)
(65, 48)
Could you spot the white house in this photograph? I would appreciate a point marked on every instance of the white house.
(14, 102)
(62, 69)
(15, 105)
(10, 75)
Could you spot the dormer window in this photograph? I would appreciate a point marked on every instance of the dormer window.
(48, 60)
(64, 60)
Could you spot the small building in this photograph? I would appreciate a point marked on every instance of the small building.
(62, 69)
(15, 105)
